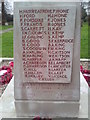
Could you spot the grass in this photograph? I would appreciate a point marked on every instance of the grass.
(7, 44)
(4, 27)
(84, 41)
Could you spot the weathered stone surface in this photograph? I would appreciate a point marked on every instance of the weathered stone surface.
(30, 79)
(47, 54)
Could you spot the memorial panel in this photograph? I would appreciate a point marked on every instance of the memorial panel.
(47, 37)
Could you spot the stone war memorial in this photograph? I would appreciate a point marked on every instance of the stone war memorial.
(47, 59)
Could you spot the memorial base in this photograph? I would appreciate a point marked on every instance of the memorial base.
(47, 109)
